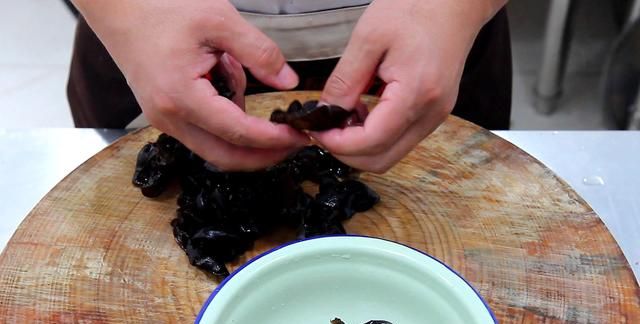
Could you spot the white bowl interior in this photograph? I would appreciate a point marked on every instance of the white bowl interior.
(354, 278)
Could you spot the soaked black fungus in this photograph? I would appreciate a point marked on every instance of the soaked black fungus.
(312, 116)
(315, 164)
(157, 164)
(342, 199)
(221, 214)
(339, 321)
(221, 85)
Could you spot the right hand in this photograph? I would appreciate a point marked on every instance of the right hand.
(165, 47)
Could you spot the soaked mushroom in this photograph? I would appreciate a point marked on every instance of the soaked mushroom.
(156, 165)
(312, 116)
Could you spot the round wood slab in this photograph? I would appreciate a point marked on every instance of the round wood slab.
(95, 250)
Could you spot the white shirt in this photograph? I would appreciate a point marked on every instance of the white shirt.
(293, 6)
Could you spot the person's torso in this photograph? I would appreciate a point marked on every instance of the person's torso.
(305, 29)
(294, 6)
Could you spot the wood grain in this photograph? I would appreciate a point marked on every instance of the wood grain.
(95, 251)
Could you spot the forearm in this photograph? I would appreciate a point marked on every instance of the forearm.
(102, 14)
(117, 19)
(111, 21)
(122, 25)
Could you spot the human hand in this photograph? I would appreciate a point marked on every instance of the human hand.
(164, 48)
(418, 48)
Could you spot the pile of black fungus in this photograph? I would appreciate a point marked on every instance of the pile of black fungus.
(221, 214)
(339, 321)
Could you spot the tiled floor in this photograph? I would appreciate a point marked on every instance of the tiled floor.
(37, 36)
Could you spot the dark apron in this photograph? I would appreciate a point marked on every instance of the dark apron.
(100, 97)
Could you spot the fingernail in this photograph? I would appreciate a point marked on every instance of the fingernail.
(225, 60)
(287, 77)
(313, 136)
(303, 140)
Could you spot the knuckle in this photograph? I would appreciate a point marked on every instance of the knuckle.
(436, 106)
(165, 106)
(267, 53)
(270, 138)
(338, 85)
(432, 93)
(236, 135)
(412, 115)
(367, 36)
(169, 110)
(156, 121)
(441, 113)
(433, 102)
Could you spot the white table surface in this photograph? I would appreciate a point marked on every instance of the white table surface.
(602, 166)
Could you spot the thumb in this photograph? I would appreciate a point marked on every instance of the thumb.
(354, 71)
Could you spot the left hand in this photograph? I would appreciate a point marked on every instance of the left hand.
(418, 48)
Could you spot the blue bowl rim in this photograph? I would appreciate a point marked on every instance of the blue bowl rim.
(224, 282)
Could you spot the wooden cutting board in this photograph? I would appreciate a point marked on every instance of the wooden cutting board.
(95, 250)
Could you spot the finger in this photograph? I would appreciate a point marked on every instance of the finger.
(381, 163)
(386, 123)
(354, 70)
(226, 156)
(222, 118)
(233, 71)
(256, 51)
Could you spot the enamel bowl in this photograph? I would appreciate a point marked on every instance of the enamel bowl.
(353, 278)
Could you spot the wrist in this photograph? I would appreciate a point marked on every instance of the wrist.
(479, 12)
